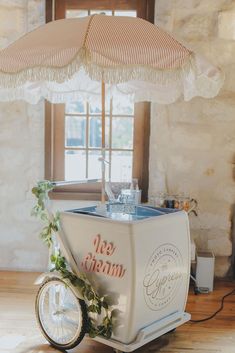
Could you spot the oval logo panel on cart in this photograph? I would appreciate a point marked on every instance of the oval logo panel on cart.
(163, 276)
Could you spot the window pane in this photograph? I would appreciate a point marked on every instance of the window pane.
(105, 12)
(78, 107)
(75, 165)
(130, 13)
(95, 132)
(123, 107)
(76, 13)
(122, 133)
(95, 107)
(94, 165)
(121, 166)
(75, 131)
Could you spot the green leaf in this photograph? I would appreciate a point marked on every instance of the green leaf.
(79, 283)
(104, 304)
(91, 309)
(108, 334)
(92, 334)
(35, 191)
(90, 295)
(53, 258)
(98, 309)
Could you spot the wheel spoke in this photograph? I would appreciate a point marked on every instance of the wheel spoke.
(59, 312)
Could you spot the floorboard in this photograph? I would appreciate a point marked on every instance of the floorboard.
(19, 332)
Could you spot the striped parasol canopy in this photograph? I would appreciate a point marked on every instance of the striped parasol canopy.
(66, 59)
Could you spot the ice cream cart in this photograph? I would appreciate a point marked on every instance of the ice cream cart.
(141, 261)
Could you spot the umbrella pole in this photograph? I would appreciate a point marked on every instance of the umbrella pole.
(103, 141)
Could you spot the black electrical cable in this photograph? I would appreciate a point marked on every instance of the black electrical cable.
(220, 308)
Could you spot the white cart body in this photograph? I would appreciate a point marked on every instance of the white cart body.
(142, 265)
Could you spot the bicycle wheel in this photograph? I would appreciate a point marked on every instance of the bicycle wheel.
(62, 317)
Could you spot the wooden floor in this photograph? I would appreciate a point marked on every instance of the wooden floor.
(19, 332)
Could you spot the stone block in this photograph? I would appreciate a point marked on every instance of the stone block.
(12, 23)
(219, 109)
(157, 183)
(191, 5)
(229, 83)
(226, 24)
(208, 219)
(202, 5)
(192, 26)
(200, 238)
(191, 137)
(214, 239)
(164, 22)
(13, 4)
(217, 51)
(36, 13)
(17, 236)
(163, 7)
(188, 112)
(221, 246)
(222, 266)
(29, 260)
(225, 192)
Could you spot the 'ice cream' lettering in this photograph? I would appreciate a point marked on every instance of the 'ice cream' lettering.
(91, 263)
(102, 247)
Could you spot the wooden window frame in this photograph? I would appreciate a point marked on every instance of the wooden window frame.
(54, 132)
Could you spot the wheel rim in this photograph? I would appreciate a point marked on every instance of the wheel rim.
(59, 313)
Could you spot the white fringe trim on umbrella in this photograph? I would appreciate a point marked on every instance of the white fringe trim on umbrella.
(114, 74)
(190, 81)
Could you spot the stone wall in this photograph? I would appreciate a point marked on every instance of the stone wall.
(192, 148)
(21, 153)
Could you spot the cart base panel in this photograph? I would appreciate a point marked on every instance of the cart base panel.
(148, 333)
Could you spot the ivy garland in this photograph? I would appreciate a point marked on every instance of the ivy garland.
(95, 303)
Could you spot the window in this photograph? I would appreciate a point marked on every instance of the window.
(82, 145)
(73, 130)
